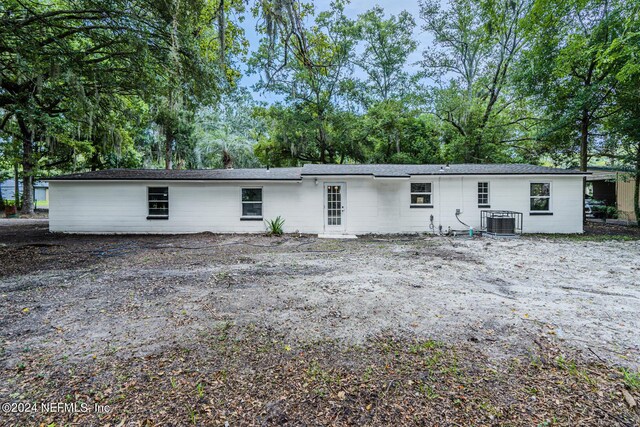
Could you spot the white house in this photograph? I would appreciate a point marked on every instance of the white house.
(322, 199)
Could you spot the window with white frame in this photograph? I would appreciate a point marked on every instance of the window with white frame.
(421, 194)
(252, 203)
(158, 198)
(483, 194)
(540, 197)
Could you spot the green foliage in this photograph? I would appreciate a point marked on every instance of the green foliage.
(274, 226)
(94, 84)
(309, 76)
(391, 133)
(78, 79)
(476, 44)
(386, 47)
(231, 126)
(565, 75)
(603, 211)
(631, 379)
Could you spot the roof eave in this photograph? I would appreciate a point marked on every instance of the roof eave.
(176, 179)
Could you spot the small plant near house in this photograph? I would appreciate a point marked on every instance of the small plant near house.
(274, 226)
(10, 208)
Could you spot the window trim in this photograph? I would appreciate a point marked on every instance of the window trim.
(252, 217)
(412, 193)
(488, 193)
(154, 217)
(549, 211)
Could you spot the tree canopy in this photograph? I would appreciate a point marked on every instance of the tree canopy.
(94, 84)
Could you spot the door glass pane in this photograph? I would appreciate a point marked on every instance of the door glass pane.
(334, 205)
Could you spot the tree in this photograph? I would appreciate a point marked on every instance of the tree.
(386, 47)
(476, 43)
(57, 60)
(392, 133)
(306, 66)
(624, 125)
(565, 75)
(626, 129)
(229, 127)
(199, 69)
(64, 63)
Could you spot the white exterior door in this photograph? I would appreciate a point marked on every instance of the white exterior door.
(334, 207)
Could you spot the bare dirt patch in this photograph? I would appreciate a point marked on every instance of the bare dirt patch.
(112, 308)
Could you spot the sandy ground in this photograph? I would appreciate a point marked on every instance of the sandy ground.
(81, 296)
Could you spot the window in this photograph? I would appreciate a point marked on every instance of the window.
(540, 196)
(252, 203)
(420, 194)
(483, 194)
(158, 202)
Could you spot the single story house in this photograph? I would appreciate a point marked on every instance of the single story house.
(615, 187)
(40, 192)
(319, 199)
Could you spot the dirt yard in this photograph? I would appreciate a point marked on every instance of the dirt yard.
(404, 329)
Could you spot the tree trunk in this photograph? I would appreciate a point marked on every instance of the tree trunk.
(16, 186)
(322, 138)
(584, 140)
(584, 157)
(27, 193)
(27, 177)
(168, 141)
(95, 161)
(636, 192)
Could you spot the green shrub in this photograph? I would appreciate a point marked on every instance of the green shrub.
(274, 226)
(8, 203)
(605, 212)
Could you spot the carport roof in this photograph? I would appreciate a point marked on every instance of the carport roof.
(295, 174)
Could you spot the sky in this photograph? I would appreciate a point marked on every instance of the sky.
(352, 10)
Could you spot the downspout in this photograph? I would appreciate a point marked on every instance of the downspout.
(439, 207)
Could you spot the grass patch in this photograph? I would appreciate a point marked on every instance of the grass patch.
(631, 379)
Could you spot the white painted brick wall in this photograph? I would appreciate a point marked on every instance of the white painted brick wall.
(372, 205)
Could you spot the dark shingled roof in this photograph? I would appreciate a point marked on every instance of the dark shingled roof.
(294, 174)
(262, 174)
(459, 169)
